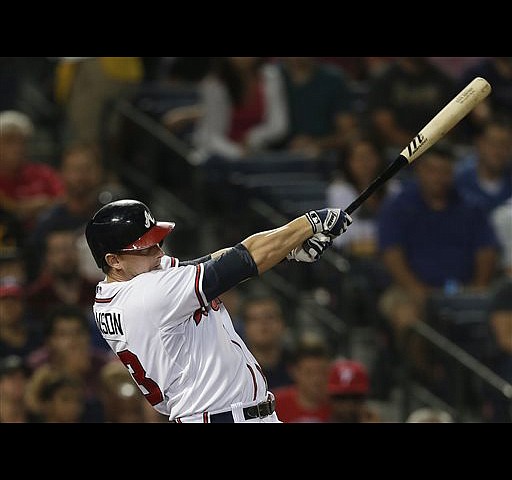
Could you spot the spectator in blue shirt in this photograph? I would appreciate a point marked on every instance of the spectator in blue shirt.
(485, 176)
(429, 235)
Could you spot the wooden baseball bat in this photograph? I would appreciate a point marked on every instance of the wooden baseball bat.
(451, 114)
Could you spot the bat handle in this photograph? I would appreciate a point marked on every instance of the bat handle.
(391, 170)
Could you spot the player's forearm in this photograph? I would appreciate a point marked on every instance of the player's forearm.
(270, 247)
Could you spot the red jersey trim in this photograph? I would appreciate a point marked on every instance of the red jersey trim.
(254, 384)
(104, 300)
(199, 270)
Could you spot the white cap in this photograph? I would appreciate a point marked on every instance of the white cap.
(12, 121)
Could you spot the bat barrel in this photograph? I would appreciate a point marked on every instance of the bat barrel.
(451, 114)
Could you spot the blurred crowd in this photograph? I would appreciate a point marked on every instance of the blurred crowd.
(442, 226)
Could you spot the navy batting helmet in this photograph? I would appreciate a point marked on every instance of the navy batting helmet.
(122, 226)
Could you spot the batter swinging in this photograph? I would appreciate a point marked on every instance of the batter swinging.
(165, 322)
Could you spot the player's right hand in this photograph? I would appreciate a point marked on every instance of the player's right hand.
(330, 221)
(312, 249)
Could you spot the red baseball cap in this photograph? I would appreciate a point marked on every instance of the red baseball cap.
(348, 377)
(11, 289)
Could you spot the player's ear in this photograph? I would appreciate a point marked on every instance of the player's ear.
(112, 260)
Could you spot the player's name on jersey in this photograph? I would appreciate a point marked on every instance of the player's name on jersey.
(110, 323)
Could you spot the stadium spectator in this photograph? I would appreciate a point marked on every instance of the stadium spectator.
(349, 389)
(427, 238)
(456, 67)
(68, 349)
(498, 72)
(19, 334)
(319, 105)
(60, 281)
(406, 95)
(267, 335)
(501, 219)
(27, 188)
(307, 399)
(484, 177)
(121, 398)
(86, 190)
(87, 89)
(54, 397)
(12, 269)
(242, 108)
(359, 164)
(13, 382)
(12, 237)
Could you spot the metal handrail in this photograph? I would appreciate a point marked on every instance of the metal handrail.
(463, 358)
(155, 128)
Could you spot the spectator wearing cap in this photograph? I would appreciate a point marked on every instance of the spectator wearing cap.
(18, 335)
(13, 382)
(349, 387)
(27, 187)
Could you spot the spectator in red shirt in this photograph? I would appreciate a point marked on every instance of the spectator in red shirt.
(307, 400)
(26, 188)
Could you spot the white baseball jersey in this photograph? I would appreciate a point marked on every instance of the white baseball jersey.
(183, 353)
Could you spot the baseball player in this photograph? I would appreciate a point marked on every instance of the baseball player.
(165, 322)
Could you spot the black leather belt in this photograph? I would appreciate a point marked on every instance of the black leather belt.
(262, 409)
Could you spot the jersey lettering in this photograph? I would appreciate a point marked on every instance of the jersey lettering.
(131, 362)
(110, 324)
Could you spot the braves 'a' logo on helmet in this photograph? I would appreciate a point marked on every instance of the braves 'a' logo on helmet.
(149, 219)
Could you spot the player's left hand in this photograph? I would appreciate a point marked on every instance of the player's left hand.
(331, 221)
(312, 249)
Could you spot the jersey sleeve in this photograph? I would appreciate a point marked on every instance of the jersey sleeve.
(169, 262)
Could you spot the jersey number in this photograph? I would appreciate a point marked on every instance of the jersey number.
(131, 361)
